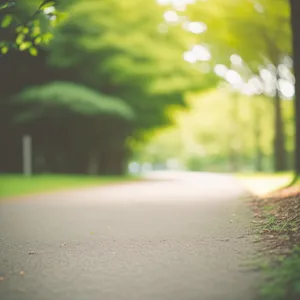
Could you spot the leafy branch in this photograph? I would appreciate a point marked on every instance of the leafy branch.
(30, 34)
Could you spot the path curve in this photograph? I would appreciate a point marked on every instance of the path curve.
(183, 236)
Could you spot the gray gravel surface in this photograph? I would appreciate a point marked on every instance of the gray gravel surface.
(185, 236)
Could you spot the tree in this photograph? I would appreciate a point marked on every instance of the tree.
(201, 136)
(295, 22)
(257, 31)
(76, 121)
(125, 53)
(119, 49)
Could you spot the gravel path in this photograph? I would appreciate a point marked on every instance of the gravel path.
(184, 237)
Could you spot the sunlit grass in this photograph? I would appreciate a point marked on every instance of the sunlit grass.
(18, 185)
(264, 183)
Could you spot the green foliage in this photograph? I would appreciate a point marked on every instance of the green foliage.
(258, 31)
(213, 125)
(116, 47)
(126, 50)
(69, 97)
(7, 4)
(120, 50)
(283, 280)
(28, 26)
(6, 21)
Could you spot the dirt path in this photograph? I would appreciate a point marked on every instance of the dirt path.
(184, 239)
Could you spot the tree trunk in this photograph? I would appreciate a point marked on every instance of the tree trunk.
(279, 138)
(295, 21)
(257, 138)
(117, 164)
(120, 162)
(93, 163)
(103, 158)
(234, 158)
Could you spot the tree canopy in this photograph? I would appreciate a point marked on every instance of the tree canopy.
(112, 67)
(217, 132)
(116, 68)
(69, 97)
(129, 52)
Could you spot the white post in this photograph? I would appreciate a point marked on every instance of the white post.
(27, 155)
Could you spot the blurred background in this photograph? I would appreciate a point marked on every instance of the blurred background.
(115, 87)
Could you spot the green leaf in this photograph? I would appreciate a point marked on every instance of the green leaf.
(25, 46)
(7, 5)
(20, 38)
(19, 29)
(33, 51)
(47, 4)
(47, 37)
(3, 6)
(4, 50)
(38, 40)
(36, 30)
(25, 30)
(6, 21)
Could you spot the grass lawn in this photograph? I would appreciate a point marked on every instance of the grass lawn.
(264, 183)
(18, 185)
